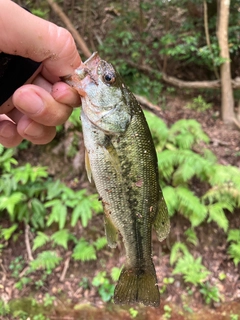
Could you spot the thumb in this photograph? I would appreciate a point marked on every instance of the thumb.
(29, 36)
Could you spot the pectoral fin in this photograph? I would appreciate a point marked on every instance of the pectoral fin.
(111, 155)
(162, 222)
(87, 166)
(111, 232)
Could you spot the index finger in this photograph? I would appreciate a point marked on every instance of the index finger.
(29, 36)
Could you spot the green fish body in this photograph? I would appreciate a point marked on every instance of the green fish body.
(121, 158)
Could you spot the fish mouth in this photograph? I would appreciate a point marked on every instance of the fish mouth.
(85, 73)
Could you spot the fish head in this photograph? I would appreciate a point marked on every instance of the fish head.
(104, 96)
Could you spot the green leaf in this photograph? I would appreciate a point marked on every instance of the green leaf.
(191, 236)
(6, 233)
(6, 159)
(190, 206)
(234, 251)
(178, 250)
(216, 213)
(100, 243)
(54, 189)
(166, 162)
(40, 240)
(38, 213)
(23, 212)
(185, 133)
(84, 251)
(158, 128)
(45, 260)
(210, 293)
(28, 173)
(234, 235)
(9, 203)
(61, 238)
(99, 279)
(58, 213)
(84, 211)
(115, 273)
(192, 269)
(171, 199)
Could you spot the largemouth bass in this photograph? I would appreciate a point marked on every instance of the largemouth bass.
(121, 158)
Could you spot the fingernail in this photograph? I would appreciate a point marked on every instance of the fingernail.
(7, 131)
(34, 130)
(29, 102)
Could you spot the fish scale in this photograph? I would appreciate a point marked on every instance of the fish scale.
(121, 158)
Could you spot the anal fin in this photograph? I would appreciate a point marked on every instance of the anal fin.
(87, 166)
(111, 231)
(162, 222)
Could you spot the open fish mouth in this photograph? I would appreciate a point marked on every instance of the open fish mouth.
(85, 72)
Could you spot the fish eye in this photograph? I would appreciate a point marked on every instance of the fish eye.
(109, 78)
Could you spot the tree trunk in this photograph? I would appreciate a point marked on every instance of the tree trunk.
(227, 107)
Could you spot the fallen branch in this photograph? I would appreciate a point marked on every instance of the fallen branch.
(145, 103)
(79, 40)
(211, 84)
(27, 242)
(214, 84)
(66, 266)
(23, 272)
(191, 84)
(3, 268)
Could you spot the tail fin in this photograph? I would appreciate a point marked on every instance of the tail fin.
(137, 285)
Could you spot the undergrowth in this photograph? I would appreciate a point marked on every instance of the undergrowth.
(197, 187)
(48, 212)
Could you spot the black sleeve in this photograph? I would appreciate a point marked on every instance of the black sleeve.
(14, 72)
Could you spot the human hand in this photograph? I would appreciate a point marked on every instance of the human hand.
(37, 107)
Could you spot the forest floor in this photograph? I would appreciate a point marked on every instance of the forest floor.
(76, 302)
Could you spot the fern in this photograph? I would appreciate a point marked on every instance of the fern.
(28, 173)
(191, 236)
(234, 235)
(38, 213)
(192, 269)
(216, 213)
(234, 252)
(82, 210)
(9, 203)
(40, 240)
(225, 175)
(182, 165)
(190, 164)
(190, 206)
(234, 248)
(166, 163)
(58, 213)
(6, 233)
(171, 199)
(6, 159)
(159, 130)
(45, 260)
(84, 251)
(185, 133)
(178, 250)
(54, 189)
(100, 243)
(179, 165)
(61, 238)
